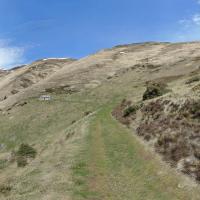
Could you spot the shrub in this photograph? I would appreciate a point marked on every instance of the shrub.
(73, 122)
(3, 163)
(27, 151)
(195, 110)
(130, 110)
(24, 152)
(49, 90)
(86, 113)
(5, 189)
(193, 79)
(118, 112)
(154, 90)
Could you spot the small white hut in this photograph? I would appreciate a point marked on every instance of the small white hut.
(45, 98)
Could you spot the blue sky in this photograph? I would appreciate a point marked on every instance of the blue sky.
(34, 29)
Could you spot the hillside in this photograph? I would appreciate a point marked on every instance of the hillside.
(21, 78)
(84, 152)
(147, 61)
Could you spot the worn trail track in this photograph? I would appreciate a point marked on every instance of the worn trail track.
(117, 167)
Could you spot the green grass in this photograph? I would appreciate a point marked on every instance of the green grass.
(115, 166)
(35, 121)
(48, 128)
(93, 158)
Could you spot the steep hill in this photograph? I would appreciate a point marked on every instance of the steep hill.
(23, 77)
(148, 61)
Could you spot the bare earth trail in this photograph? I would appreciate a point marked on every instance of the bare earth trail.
(114, 165)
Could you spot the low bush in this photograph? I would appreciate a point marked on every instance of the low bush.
(191, 109)
(193, 79)
(173, 127)
(26, 150)
(5, 189)
(61, 90)
(130, 110)
(119, 112)
(195, 110)
(73, 122)
(153, 90)
(86, 113)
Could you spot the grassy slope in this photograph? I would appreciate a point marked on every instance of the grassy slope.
(103, 161)
(47, 127)
(114, 165)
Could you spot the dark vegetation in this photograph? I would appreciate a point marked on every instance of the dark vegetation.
(126, 111)
(118, 112)
(154, 89)
(86, 113)
(25, 152)
(69, 135)
(196, 88)
(130, 110)
(5, 189)
(61, 90)
(193, 79)
(73, 122)
(174, 129)
(172, 126)
(14, 91)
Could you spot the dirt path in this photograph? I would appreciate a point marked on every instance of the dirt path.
(115, 166)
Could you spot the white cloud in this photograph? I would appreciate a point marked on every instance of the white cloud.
(185, 23)
(196, 19)
(189, 27)
(10, 55)
(189, 30)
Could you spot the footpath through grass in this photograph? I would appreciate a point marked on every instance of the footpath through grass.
(113, 165)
